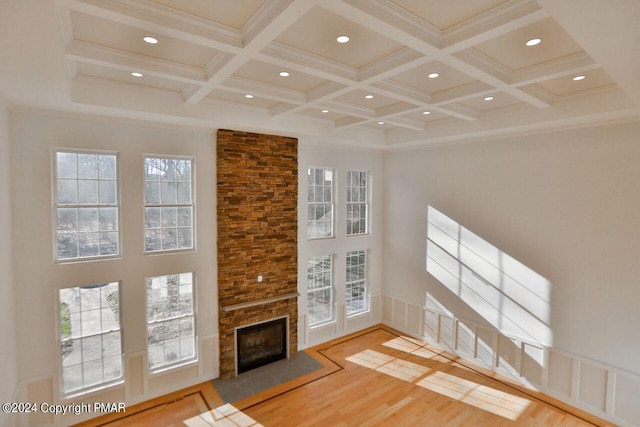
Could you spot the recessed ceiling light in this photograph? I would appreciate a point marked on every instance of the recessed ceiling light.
(343, 39)
(433, 75)
(533, 42)
(150, 40)
(578, 78)
(284, 74)
(368, 96)
(489, 98)
(426, 112)
(248, 96)
(136, 74)
(325, 111)
(380, 123)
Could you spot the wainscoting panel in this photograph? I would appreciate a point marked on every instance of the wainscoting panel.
(627, 393)
(592, 388)
(508, 354)
(387, 310)
(40, 391)
(135, 372)
(209, 356)
(399, 313)
(415, 315)
(175, 379)
(486, 344)
(603, 390)
(531, 364)
(560, 374)
(465, 340)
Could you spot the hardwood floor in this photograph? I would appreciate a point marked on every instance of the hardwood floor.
(379, 377)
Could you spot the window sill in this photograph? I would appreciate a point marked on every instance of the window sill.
(359, 313)
(173, 368)
(323, 325)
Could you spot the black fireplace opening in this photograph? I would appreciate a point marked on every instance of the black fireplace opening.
(261, 344)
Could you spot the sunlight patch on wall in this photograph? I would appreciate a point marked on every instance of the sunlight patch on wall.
(506, 293)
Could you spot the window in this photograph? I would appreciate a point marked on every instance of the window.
(86, 205)
(320, 198)
(171, 337)
(356, 289)
(168, 204)
(90, 337)
(320, 290)
(357, 203)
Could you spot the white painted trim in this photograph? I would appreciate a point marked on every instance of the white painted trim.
(612, 372)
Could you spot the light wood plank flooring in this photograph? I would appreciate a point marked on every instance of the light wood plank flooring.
(373, 378)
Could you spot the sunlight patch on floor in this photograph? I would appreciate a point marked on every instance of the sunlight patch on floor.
(481, 396)
(225, 415)
(478, 395)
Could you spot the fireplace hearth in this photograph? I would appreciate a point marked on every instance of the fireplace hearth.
(260, 344)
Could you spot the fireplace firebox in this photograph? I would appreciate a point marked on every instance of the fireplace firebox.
(261, 344)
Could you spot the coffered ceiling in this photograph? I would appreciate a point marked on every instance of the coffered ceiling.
(414, 72)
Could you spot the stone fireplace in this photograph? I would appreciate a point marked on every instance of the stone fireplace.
(257, 200)
(261, 344)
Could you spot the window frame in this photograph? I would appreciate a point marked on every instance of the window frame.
(315, 204)
(360, 203)
(77, 206)
(176, 205)
(88, 389)
(351, 284)
(331, 288)
(193, 315)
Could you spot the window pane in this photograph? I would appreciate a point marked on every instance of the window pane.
(89, 180)
(170, 320)
(168, 192)
(112, 368)
(152, 217)
(109, 243)
(152, 192)
(356, 298)
(67, 219)
(87, 192)
(90, 355)
(168, 184)
(67, 192)
(108, 219)
(107, 167)
(107, 192)
(67, 167)
(169, 238)
(185, 237)
(169, 217)
(184, 192)
(184, 217)
(87, 166)
(153, 240)
(357, 209)
(319, 290)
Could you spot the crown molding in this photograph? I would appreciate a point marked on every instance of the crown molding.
(128, 61)
(162, 20)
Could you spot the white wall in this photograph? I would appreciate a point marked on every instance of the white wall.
(564, 208)
(8, 359)
(341, 160)
(38, 278)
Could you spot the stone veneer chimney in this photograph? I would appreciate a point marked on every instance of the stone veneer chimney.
(257, 191)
